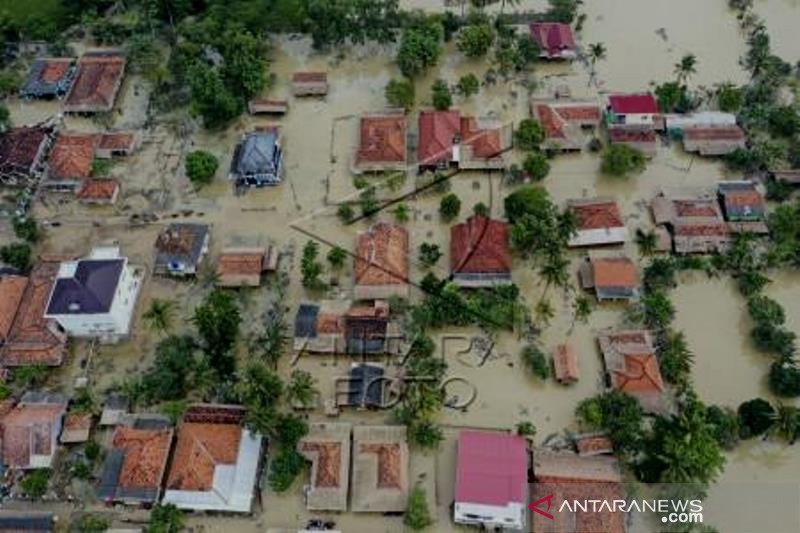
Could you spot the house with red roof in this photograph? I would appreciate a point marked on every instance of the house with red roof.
(694, 224)
(381, 263)
(97, 82)
(744, 206)
(382, 142)
(98, 192)
(637, 109)
(446, 139)
(599, 222)
(632, 367)
(491, 480)
(555, 39)
(564, 121)
(638, 137)
(611, 278)
(479, 253)
(30, 430)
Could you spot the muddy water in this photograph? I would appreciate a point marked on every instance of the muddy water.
(319, 136)
(781, 17)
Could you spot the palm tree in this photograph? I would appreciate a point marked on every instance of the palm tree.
(159, 315)
(686, 67)
(554, 271)
(300, 390)
(787, 422)
(544, 311)
(647, 241)
(597, 52)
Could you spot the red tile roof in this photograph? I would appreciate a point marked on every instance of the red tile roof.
(55, 69)
(12, 289)
(20, 148)
(72, 155)
(437, 131)
(117, 141)
(701, 229)
(600, 214)
(631, 135)
(99, 189)
(716, 133)
(33, 339)
(744, 198)
(594, 445)
(328, 462)
(310, 77)
(390, 463)
(552, 122)
(641, 374)
(382, 255)
(146, 452)
(491, 468)
(238, 263)
(96, 83)
(553, 37)
(383, 138)
(480, 246)
(565, 363)
(695, 208)
(633, 104)
(614, 272)
(485, 143)
(201, 447)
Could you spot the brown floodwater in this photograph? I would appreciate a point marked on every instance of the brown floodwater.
(644, 39)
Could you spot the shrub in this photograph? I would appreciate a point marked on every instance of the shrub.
(526, 429)
(536, 362)
(536, 166)
(27, 229)
(475, 40)
(449, 207)
(35, 483)
(16, 254)
(468, 85)
(284, 468)
(417, 516)
(755, 417)
(336, 257)
(730, 98)
(481, 209)
(529, 134)
(400, 93)
(725, 425)
(429, 254)
(345, 213)
(784, 379)
(93, 524)
(620, 159)
(442, 99)
(201, 167)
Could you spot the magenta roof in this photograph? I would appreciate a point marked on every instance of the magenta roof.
(625, 104)
(553, 36)
(492, 468)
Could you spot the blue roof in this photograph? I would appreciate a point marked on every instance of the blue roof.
(89, 291)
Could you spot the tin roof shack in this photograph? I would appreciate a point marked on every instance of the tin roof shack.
(98, 192)
(242, 267)
(258, 159)
(381, 264)
(599, 222)
(115, 409)
(637, 109)
(380, 469)
(216, 461)
(310, 83)
(632, 367)
(564, 120)
(49, 77)
(570, 477)
(30, 430)
(382, 142)
(70, 160)
(263, 106)
(491, 480)
(94, 297)
(713, 140)
(327, 446)
(479, 253)
(77, 427)
(97, 82)
(695, 224)
(134, 467)
(565, 364)
(22, 152)
(180, 249)
(555, 40)
(31, 338)
(642, 138)
(744, 206)
(612, 278)
(27, 521)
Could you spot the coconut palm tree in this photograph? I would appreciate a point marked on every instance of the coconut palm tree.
(159, 315)
(544, 311)
(300, 390)
(686, 67)
(554, 271)
(597, 52)
(647, 241)
(787, 422)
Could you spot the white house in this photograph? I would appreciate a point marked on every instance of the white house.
(95, 296)
(640, 109)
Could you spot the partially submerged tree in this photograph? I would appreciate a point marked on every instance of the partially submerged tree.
(201, 167)
(417, 515)
(400, 93)
(442, 98)
(217, 321)
(621, 160)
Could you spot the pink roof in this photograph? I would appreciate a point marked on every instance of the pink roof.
(492, 468)
(553, 36)
(633, 104)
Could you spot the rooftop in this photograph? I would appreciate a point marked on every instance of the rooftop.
(632, 366)
(256, 154)
(622, 134)
(380, 469)
(134, 467)
(553, 37)
(382, 139)
(49, 77)
(327, 446)
(182, 243)
(382, 255)
(437, 132)
(241, 262)
(486, 140)
(21, 147)
(12, 289)
(29, 430)
(491, 468)
(310, 77)
(614, 272)
(480, 245)
(86, 287)
(98, 189)
(72, 155)
(120, 140)
(633, 104)
(96, 83)
(597, 213)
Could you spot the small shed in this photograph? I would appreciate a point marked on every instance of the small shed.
(565, 364)
(310, 83)
(263, 106)
(115, 410)
(592, 444)
(76, 428)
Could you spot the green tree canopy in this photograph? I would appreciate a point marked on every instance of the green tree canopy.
(217, 321)
(201, 167)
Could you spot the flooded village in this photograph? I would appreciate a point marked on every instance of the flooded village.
(286, 265)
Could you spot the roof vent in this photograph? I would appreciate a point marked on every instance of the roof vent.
(74, 307)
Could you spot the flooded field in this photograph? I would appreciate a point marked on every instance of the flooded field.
(644, 39)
